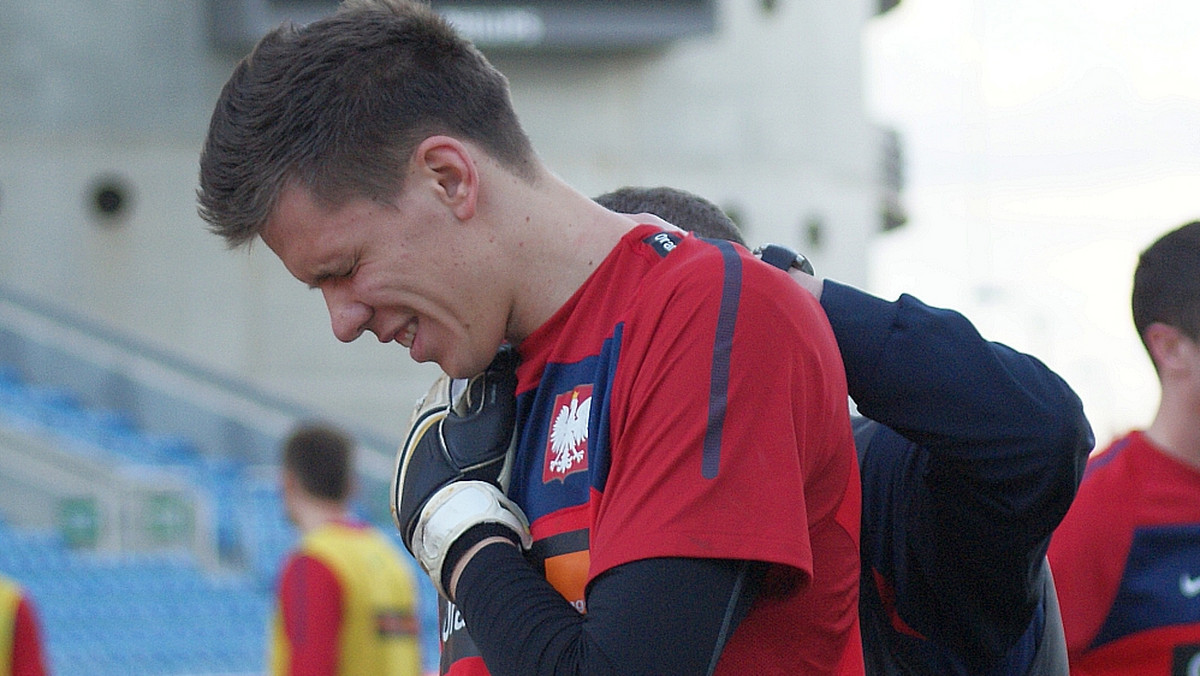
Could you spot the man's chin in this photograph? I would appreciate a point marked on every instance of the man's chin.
(460, 370)
(447, 365)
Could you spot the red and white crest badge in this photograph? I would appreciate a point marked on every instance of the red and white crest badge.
(567, 442)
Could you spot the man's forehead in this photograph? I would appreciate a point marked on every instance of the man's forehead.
(297, 213)
(297, 231)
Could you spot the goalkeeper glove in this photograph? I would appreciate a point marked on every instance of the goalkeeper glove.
(453, 466)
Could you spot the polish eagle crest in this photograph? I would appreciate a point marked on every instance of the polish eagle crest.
(567, 443)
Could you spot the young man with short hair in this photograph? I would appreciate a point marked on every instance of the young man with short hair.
(684, 458)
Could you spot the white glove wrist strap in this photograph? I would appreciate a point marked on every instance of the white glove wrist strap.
(454, 509)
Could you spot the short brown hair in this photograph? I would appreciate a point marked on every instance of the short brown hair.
(321, 457)
(678, 207)
(339, 105)
(1166, 284)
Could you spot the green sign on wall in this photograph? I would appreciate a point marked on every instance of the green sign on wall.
(168, 519)
(79, 521)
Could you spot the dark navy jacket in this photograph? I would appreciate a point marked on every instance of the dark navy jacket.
(970, 458)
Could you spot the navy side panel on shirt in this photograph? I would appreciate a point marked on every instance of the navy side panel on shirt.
(534, 410)
(1159, 559)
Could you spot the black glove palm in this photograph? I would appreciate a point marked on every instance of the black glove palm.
(468, 438)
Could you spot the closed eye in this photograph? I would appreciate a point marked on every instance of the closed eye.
(325, 277)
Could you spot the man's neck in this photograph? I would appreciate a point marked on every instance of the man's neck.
(314, 514)
(1175, 431)
(565, 239)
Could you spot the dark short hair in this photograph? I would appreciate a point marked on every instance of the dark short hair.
(1166, 284)
(321, 457)
(680, 208)
(338, 106)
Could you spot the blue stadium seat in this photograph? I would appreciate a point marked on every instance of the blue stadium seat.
(147, 614)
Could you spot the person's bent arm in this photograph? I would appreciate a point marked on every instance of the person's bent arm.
(27, 657)
(990, 414)
(992, 449)
(311, 611)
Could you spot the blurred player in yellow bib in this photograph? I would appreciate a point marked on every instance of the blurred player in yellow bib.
(346, 600)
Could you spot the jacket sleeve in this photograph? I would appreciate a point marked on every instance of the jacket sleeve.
(980, 457)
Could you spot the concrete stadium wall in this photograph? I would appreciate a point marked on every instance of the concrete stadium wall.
(765, 116)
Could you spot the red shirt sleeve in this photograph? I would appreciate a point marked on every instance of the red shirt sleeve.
(27, 644)
(310, 599)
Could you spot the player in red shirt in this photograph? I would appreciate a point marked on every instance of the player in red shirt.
(604, 492)
(1126, 558)
(713, 488)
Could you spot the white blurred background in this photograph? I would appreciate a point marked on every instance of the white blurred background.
(1048, 143)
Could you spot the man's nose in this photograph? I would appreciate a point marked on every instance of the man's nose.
(348, 318)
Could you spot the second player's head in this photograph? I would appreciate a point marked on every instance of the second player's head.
(1166, 284)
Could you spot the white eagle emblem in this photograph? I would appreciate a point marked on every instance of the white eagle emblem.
(566, 448)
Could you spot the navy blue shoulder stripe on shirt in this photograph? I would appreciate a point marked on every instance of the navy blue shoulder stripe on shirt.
(1106, 457)
(731, 291)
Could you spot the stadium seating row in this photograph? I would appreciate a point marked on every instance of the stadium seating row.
(152, 614)
(162, 613)
(137, 614)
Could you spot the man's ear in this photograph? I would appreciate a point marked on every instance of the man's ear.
(1164, 343)
(449, 165)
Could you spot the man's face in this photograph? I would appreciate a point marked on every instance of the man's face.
(400, 270)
